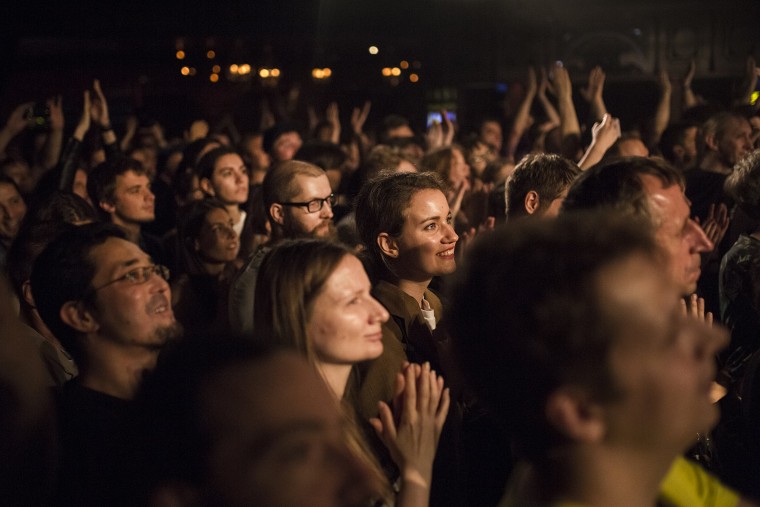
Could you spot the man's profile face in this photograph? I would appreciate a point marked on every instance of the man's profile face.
(735, 142)
(278, 438)
(680, 237)
(133, 202)
(662, 362)
(133, 315)
(298, 222)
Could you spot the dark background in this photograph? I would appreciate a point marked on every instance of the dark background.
(470, 53)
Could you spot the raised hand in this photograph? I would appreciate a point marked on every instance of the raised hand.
(603, 135)
(595, 87)
(411, 430)
(593, 92)
(18, 121)
(359, 117)
(84, 121)
(695, 308)
(333, 118)
(448, 128)
(99, 108)
(56, 112)
(716, 223)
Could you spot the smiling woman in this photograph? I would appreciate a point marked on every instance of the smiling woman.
(314, 296)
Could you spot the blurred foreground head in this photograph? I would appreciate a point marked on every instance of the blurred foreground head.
(568, 329)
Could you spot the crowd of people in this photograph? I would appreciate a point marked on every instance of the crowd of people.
(544, 310)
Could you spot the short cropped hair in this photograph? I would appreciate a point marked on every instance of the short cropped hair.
(63, 272)
(674, 136)
(382, 203)
(525, 316)
(617, 186)
(743, 184)
(101, 181)
(279, 185)
(547, 175)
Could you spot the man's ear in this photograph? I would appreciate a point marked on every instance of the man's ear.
(205, 185)
(277, 213)
(532, 202)
(572, 412)
(387, 245)
(711, 142)
(77, 316)
(107, 207)
(26, 292)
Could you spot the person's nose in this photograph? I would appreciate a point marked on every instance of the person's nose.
(378, 313)
(700, 241)
(326, 211)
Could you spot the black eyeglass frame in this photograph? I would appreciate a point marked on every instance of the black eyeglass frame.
(315, 205)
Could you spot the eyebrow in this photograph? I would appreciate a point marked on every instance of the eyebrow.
(435, 217)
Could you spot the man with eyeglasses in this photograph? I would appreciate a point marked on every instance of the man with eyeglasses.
(110, 307)
(299, 201)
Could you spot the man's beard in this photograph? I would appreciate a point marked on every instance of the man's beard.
(325, 230)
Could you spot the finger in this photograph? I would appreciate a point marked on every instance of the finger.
(410, 395)
(693, 305)
(684, 311)
(436, 389)
(443, 409)
(386, 417)
(709, 319)
(423, 389)
(700, 306)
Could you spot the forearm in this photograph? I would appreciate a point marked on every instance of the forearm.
(568, 118)
(110, 145)
(51, 150)
(598, 109)
(551, 112)
(519, 125)
(593, 155)
(68, 162)
(661, 118)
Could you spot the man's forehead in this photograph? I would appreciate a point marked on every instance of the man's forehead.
(115, 253)
(306, 186)
(129, 178)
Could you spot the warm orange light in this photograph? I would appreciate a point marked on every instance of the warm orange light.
(373, 50)
(210, 54)
(274, 72)
(234, 68)
(414, 78)
(327, 71)
(213, 78)
(317, 73)
(244, 69)
(180, 55)
(184, 71)
(396, 71)
(264, 73)
(404, 64)
(192, 71)
(215, 69)
(386, 71)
